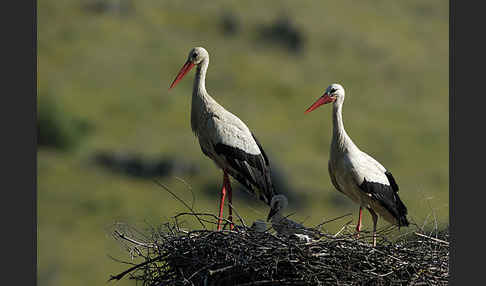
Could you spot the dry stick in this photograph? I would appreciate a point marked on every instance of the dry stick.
(123, 236)
(199, 214)
(389, 255)
(408, 232)
(184, 203)
(238, 215)
(198, 271)
(204, 214)
(211, 272)
(190, 189)
(425, 221)
(273, 282)
(432, 238)
(331, 220)
(435, 217)
(121, 261)
(344, 226)
(120, 276)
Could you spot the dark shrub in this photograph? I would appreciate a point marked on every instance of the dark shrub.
(135, 165)
(283, 33)
(230, 24)
(57, 128)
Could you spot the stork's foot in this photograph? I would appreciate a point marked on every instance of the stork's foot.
(374, 216)
(358, 226)
(358, 230)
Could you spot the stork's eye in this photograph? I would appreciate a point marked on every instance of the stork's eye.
(333, 90)
(194, 55)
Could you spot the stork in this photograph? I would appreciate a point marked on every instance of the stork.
(225, 139)
(356, 174)
(284, 225)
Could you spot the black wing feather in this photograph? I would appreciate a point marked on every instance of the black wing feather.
(392, 181)
(267, 163)
(252, 171)
(387, 196)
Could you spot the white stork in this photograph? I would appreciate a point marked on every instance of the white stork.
(285, 226)
(356, 174)
(225, 139)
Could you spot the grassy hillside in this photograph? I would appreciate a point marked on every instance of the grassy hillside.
(110, 66)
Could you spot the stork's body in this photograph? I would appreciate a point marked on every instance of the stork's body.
(358, 175)
(280, 223)
(284, 225)
(225, 139)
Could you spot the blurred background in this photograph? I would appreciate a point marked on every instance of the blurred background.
(107, 125)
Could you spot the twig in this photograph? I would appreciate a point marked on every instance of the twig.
(432, 238)
(184, 203)
(211, 272)
(123, 236)
(120, 276)
(331, 220)
(190, 189)
(238, 215)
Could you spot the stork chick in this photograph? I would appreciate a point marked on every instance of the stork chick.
(284, 225)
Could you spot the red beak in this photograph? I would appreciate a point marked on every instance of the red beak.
(185, 68)
(324, 99)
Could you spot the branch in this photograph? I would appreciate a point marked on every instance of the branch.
(432, 238)
(184, 203)
(120, 276)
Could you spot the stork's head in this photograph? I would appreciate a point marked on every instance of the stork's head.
(196, 56)
(333, 93)
(278, 203)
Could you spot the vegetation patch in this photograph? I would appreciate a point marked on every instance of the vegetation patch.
(56, 127)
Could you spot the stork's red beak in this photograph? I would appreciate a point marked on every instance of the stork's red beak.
(185, 68)
(324, 99)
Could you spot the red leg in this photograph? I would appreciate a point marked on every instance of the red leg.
(230, 200)
(358, 227)
(221, 202)
(374, 216)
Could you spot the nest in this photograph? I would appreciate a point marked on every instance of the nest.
(172, 255)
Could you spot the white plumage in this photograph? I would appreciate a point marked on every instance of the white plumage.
(358, 175)
(224, 138)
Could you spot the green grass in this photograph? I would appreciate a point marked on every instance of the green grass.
(114, 71)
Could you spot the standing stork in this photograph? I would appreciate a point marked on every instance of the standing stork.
(356, 174)
(225, 139)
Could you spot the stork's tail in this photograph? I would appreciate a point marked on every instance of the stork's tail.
(402, 212)
(264, 194)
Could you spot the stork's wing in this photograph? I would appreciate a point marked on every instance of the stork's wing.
(392, 181)
(245, 158)
(388, 198)
(373, 179)
(380, 169)
(371, 161)
(252, 171)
